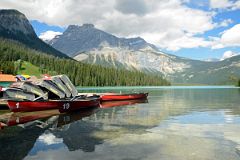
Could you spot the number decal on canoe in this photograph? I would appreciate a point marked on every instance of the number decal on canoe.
(17, 105)
(66, 106)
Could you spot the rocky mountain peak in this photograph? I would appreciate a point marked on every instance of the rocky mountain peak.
(79, 28)
(72, 27)
(77, 39)
(14, 21)
(87, 25)
(10, 11)
(14, 25)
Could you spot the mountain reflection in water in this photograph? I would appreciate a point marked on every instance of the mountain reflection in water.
(174, 124)
(27, 127)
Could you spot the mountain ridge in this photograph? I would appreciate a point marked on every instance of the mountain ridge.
(76, 39)
(15, 26)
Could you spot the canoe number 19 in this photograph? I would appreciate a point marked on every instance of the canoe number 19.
(66, 106)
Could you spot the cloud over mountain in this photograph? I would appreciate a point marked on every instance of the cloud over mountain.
(229, 38)
(169, 24)
(49, 35)
(165, 23)
(229, 54)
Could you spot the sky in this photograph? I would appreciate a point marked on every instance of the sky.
(196, 29)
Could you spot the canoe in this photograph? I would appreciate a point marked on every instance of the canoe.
(110, 104)
(118, 97)
(62, 105)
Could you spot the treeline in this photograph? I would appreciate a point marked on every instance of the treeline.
(80, 73)
(234, 80)
(8, 67)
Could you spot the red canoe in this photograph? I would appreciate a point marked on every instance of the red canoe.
(109, 104)
(118, 97)
(63, 106)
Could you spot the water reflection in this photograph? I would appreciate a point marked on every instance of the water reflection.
(79, 135)
(52, 127)
(16, 142)
(174, 124)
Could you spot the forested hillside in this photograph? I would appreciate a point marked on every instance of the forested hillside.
(80, 73)
(14, 25)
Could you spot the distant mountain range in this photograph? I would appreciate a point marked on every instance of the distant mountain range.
(90, 45)
(14, 25)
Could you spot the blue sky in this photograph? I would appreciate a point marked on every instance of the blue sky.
(43, 27)
(193, 29)
(204, 53)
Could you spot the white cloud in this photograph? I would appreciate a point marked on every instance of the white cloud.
(224, 4)
(49, 138)
(228, 54)
(229, 38)
(48, 35)
(236, 5)
(225, 23)
(220, 3)
(232, 35)
(167, 23)
(172, 41)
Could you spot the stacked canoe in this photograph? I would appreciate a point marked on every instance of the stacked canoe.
(55, 93)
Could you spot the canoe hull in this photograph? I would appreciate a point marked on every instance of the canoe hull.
(119, 97)
(63, 106)
(110, 104)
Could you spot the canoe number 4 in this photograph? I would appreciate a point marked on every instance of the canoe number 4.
(66, 106)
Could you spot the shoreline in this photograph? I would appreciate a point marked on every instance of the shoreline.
(155, 87)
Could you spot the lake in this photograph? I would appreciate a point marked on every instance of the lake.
(175, 123)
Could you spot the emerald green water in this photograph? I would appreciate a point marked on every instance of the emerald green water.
(5, 84)
(177, 123)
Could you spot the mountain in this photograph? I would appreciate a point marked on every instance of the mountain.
(81, 74)
(146, 59)
(90, 45)
(77, 39)
(14, 25)
(175, 69)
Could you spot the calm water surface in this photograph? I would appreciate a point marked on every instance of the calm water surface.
(195, 123)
